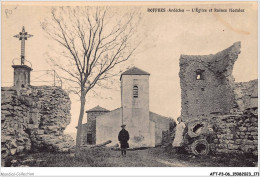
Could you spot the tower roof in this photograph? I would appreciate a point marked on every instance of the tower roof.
(97, 109)
(134, 71)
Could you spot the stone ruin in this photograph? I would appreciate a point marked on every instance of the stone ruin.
(207, 83)
(33, 118)
(221, 115)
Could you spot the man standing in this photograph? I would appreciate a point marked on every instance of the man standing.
(123, 137)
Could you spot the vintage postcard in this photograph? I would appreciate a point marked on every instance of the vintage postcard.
(129, 84)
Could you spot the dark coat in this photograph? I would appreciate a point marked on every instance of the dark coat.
(123, 137)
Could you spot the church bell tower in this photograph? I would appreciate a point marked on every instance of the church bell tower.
(135, 106)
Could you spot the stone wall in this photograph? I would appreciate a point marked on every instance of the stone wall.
(224, 133)
(236, 133)
(162, 124)
(207, 83)
(91, 125)
(246, 96)
(108, 126)
(215, 108)
(34, 119)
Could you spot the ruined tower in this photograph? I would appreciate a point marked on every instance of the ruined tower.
(207, 83)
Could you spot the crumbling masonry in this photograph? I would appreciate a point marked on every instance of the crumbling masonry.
(214, 107)
(34, 120)
(207, 83)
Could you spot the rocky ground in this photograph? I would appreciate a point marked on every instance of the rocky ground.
(153, 157)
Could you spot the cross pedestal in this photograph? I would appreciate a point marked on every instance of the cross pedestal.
(21, 75)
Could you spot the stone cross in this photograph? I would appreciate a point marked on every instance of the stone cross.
(23, 36)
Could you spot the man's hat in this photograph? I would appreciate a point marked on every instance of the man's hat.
(123, 125)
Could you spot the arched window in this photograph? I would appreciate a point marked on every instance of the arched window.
(135, 91)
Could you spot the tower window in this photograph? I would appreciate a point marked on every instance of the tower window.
(199, 74)
(135, 91)
(198, 77)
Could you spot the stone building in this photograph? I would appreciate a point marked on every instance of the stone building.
(217, 110)
(145, 127)
(89, 129)
(207, 84)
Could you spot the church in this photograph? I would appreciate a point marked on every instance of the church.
(145, 127)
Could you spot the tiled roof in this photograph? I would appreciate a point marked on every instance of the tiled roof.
(135, 71)
(97, 109)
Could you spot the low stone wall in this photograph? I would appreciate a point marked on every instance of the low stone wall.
(34, 118)
(236, 133)
(162, 125)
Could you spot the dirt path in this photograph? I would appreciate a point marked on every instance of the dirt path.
(152, 157)
(170, 164)
(144, 158)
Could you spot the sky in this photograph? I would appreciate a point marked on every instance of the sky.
(167, 36)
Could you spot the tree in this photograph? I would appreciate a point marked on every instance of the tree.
(94, 40)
